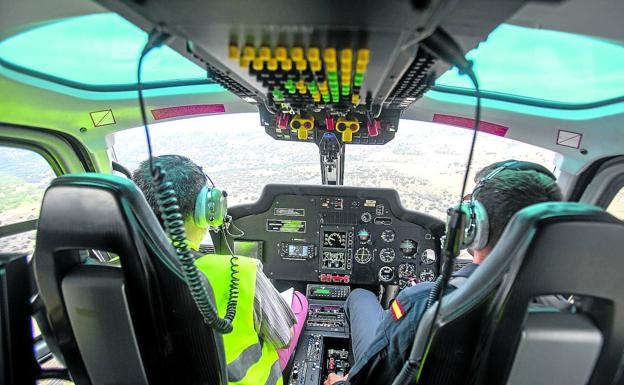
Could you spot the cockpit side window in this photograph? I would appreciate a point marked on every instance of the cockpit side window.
(24, 176)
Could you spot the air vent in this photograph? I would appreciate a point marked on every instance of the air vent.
(339, 219)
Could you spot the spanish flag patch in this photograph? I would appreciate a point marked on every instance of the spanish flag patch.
(397, 310)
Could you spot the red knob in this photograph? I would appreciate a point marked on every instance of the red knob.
(374, 127)
(329, 123)
(282, 121)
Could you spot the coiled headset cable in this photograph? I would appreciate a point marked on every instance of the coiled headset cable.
(174, 222)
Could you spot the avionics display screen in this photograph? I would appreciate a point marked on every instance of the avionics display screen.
(251, 249)
(333, 260)
(335, 239)
(302, 251)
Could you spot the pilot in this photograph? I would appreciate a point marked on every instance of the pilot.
(276, 325)
(503, 189)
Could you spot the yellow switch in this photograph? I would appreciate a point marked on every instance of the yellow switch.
(314, 54)
(265, 53)
(243, 62)
(272, 65)
(347, 128)
(258, 64)
(363, 55)
(346, 55)
(233, 52)
(296, 53)
(355, 99)
(331, 66)
(329, 55)
(249, 53)
(316, 65)
(287, 64)
(301, 65)
(323, 86)
(360, 67)
(280, 53)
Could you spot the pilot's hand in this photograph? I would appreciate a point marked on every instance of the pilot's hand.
(333, 378)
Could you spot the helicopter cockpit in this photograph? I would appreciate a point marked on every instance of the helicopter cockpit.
(389, 100)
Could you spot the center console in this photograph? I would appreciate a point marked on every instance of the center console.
(324, 344)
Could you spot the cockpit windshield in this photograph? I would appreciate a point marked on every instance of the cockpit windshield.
(424, 163)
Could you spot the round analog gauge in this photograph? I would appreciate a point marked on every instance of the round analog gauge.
(335, 239)
(364, 236)
(387, 255)
(363, 255)
(409, 248)
(366, 217)
(427, 275)
(428, 257)
(388, 235)
(386, 274)
(407, 270)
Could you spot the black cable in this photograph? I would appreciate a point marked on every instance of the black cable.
(442, 45)
(173, 220)
(156, 38)
(230, 311)
(434, 294)
(475, 130)
(452, 248)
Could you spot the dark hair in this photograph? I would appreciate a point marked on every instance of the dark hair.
(510, 191)
(187, 179)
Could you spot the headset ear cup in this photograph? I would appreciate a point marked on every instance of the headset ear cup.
(218, 207)
(199, 215)
(481, 226)
(462, 232)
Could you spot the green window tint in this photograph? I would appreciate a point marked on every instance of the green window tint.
(547, 65)
(98, 49)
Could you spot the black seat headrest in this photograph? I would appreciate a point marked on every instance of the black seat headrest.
(109, 213)
(547, 248)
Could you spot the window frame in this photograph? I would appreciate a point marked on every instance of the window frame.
(606, 183)
(61, 153)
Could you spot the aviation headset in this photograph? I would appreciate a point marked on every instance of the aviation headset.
(210, 206)
(477, 225)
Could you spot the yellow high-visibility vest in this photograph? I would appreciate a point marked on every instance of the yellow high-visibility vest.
(249, 360)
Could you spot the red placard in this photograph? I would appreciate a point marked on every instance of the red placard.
(487, 127)
(194, 109)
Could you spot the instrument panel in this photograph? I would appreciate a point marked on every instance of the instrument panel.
(336, 234)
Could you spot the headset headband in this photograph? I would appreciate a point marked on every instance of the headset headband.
(515, 165)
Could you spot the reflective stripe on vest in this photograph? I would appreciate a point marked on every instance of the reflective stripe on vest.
(237, 369)
(249, 360)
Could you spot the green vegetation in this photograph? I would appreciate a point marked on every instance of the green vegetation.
(16, 192)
